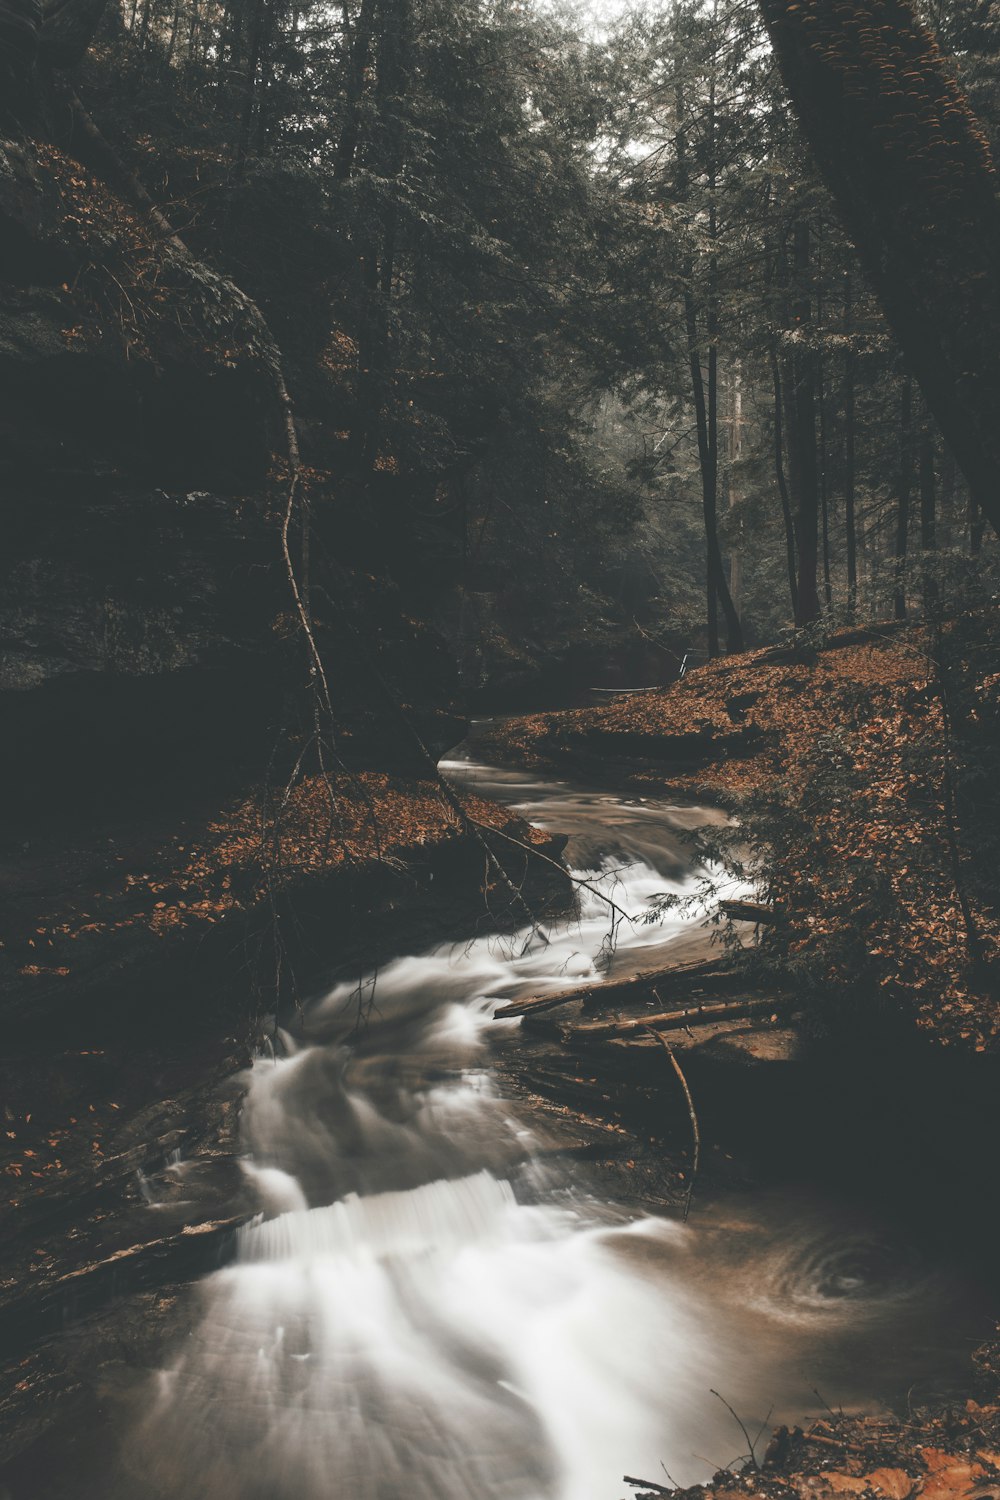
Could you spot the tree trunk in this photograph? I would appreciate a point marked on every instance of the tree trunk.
(706, 406)
(265, 88)
(904, 493)
(912, 176)
(779, 470)
(253, 63)
(147, 13)
(824, 495)
(375, 383)
(360, 45)
(928, 515)
(735, 454)
(713, 565)
(824, 477)
(803, 467)
(850, 521)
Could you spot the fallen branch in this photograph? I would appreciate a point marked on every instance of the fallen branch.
(797, 651)
(621, 915)
(674, 1020)
(695, 1132)
(706, 970)
(830, 1442)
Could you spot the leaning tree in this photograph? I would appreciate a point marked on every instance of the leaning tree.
(912, 175)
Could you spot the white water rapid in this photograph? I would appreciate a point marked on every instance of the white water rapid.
(434, 1305)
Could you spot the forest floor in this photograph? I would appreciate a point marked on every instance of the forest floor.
(96, 898)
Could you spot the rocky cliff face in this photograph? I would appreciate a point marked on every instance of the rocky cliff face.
(137, 410)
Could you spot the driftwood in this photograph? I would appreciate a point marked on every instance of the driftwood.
(674, 1020)
(702, 971)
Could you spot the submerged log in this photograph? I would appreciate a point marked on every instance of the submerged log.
(701, 971)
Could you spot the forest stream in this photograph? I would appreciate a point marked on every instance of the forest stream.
(368, 366)
(438, 1302)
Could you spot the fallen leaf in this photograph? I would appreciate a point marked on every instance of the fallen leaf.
(895, 1483)
(845, 1484)
(948, 1475)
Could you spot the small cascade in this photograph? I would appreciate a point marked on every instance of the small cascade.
(422, 1310)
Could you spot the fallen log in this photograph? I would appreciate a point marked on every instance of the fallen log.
(749, 911)
(32, 1311)
(672, 1020)
(700, 971)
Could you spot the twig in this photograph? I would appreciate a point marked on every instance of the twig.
(764, 1425)
(831, 1442)
(695, 1132)
(837, 1416)
(739, 1422)
(621, 914)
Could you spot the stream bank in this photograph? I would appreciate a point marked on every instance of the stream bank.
(863, 768)
(860, 765)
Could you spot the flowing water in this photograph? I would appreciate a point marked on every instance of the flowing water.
(431, 1307)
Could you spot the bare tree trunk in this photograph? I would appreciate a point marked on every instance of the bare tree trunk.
(360, 45)
(904, 493)
(803, 469)
(912, 176)
(824, 485)
(258, 27)
(374, 386)
(850, 522)
(266, 82)
(928, 514)
(194, 22)
(708, 476)
(174, 28)
(706, 403)
(147, 13)
(824, 496)
(779, 470)
(735, 454)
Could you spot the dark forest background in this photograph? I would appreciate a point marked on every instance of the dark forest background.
(551, 300)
